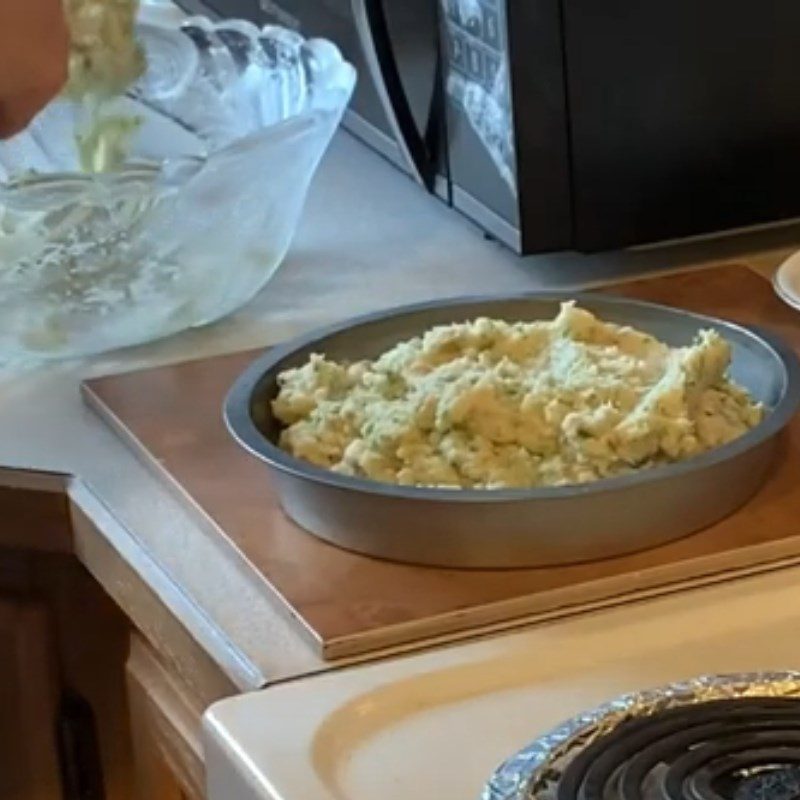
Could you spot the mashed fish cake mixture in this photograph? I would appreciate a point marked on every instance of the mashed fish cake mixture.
(105, 60)
(104, 56)
(492, 404)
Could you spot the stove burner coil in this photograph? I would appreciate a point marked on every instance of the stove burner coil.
(740, 749)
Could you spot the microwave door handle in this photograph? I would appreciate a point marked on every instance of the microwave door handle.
(373, 32)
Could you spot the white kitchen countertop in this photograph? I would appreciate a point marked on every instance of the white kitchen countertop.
(369, 238)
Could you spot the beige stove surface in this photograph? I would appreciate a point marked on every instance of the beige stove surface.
(436, 725)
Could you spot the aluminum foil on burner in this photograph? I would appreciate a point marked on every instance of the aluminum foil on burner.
(770, 770)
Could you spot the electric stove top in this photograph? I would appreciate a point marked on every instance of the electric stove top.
(724, 737)
(486, 719)
(744, 749)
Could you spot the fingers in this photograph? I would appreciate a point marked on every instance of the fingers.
(16, 114)
(21, 103)
(18, 111)
(34, 56)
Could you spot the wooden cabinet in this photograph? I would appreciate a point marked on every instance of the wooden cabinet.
(166, 724)
(29, 696)
(89, 709)
(84, 700)
(64, 724)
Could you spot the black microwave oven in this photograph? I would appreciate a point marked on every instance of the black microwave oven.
(574, 124)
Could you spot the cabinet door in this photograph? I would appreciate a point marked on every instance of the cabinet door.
(166, 723)
(29, 768)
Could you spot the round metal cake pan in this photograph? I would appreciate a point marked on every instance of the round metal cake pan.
(518, 527)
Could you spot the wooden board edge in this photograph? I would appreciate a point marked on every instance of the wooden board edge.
(659, 273)
(207, 659)
(529, 609)
(207, 524)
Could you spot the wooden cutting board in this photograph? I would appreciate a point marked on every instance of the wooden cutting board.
(351, 604)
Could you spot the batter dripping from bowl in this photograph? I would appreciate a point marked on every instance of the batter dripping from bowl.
(85, 48)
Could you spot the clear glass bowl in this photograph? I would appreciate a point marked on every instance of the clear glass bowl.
(233, 122)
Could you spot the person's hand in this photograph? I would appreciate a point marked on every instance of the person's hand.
(34, 58)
